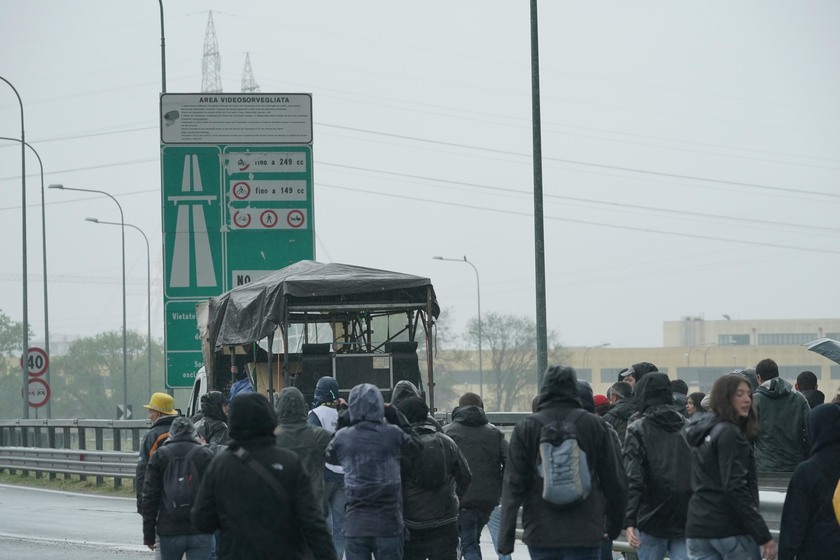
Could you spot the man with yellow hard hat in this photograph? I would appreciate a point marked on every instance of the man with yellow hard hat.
(161, 411)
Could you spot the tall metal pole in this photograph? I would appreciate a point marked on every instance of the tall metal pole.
(148, 291)
(162, 51)
(539, 238)
(44, 257)
(25, 358)
(478, 292)
(124, 330)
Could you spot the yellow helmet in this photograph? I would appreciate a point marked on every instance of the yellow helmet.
(163, 403)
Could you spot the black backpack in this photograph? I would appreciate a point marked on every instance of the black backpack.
(180, 483)
(430, 470)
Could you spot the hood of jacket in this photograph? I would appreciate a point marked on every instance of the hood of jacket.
(182, 429)
(823, 426)
(469, 416)
(653, 389)
(775, 388)
(402, 390)
(212, 406)
(326, 390)
(559, 386)
(251, 416)
(587, 398)
(291, 407)
(414, 409)
(697, 430)
(366, 404)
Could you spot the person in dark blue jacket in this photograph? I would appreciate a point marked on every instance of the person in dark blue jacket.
(370, 450)
(809, 529)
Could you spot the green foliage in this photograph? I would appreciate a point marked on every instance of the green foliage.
(11, 376)
(87, 382)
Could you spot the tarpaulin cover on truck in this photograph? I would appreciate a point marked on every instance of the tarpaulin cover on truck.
(253, 311)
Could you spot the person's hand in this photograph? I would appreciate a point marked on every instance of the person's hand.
(234, 369)
(149, 543)
(632, 537)
(768, 550)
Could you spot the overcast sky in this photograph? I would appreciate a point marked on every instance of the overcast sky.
(691, 151)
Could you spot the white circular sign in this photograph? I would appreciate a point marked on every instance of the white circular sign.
(37, 361)
(39, 392)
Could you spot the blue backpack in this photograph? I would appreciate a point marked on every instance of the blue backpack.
(562, 464)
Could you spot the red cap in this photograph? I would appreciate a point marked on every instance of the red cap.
(601, 400)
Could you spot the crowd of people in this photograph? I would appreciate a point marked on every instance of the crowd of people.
(677, 472)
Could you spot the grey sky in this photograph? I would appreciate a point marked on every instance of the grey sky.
(691, 150)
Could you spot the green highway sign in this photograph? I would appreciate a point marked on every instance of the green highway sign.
(237, 203)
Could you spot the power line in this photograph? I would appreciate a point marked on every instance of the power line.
(588, 223)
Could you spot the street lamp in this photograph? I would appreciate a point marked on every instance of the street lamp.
(44, 257)
(478, 291)
(25, 362)
(148, 290)
(125, 344)
(588, 348)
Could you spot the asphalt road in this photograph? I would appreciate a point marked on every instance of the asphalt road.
(46, 524)
(39, 524)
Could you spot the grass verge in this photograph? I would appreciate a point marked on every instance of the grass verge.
(71, 483)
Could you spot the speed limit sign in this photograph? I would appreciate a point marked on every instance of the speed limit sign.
(37, 361)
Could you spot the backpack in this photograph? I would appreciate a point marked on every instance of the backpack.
(429, 470)
(562, 464)
(180, 483)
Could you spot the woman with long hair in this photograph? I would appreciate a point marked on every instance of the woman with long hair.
(723, 518)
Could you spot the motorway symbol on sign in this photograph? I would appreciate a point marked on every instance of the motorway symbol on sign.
(205, 272)
(39, 392)
(37, 361)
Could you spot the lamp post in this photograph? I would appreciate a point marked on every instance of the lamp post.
(44, 257)
(588, 348)
(478, 292)
(124, 336)
(25, 361)
(162, 51)
(148, 290)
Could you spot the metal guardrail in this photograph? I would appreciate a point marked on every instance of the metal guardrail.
(112, 464)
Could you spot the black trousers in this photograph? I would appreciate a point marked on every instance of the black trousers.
(438, 543)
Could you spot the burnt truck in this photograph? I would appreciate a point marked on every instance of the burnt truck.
(309, 320)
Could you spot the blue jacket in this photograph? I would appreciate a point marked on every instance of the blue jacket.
(241, 386)
(370, 451)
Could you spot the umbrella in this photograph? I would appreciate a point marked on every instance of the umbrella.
(827, 347)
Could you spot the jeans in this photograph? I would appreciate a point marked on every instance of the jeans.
(493, 527)
(438, 543)
(564, 553)
(174, 547)
(741, 547)
(606, 549)
(380, 548)
(654, 548)
(334, 503)
(470, 524)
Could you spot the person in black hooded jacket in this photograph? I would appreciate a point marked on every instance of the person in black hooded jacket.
(723, 518)
(177, 536)
(260, 520)
(657, 460)
(547, 530)
(809, 528)
(485, 450)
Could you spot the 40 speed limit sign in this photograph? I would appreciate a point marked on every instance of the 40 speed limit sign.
(37, 361)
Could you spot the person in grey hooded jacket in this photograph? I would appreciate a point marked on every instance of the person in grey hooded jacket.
(370, 450)
(782, 442)
(308, 442)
